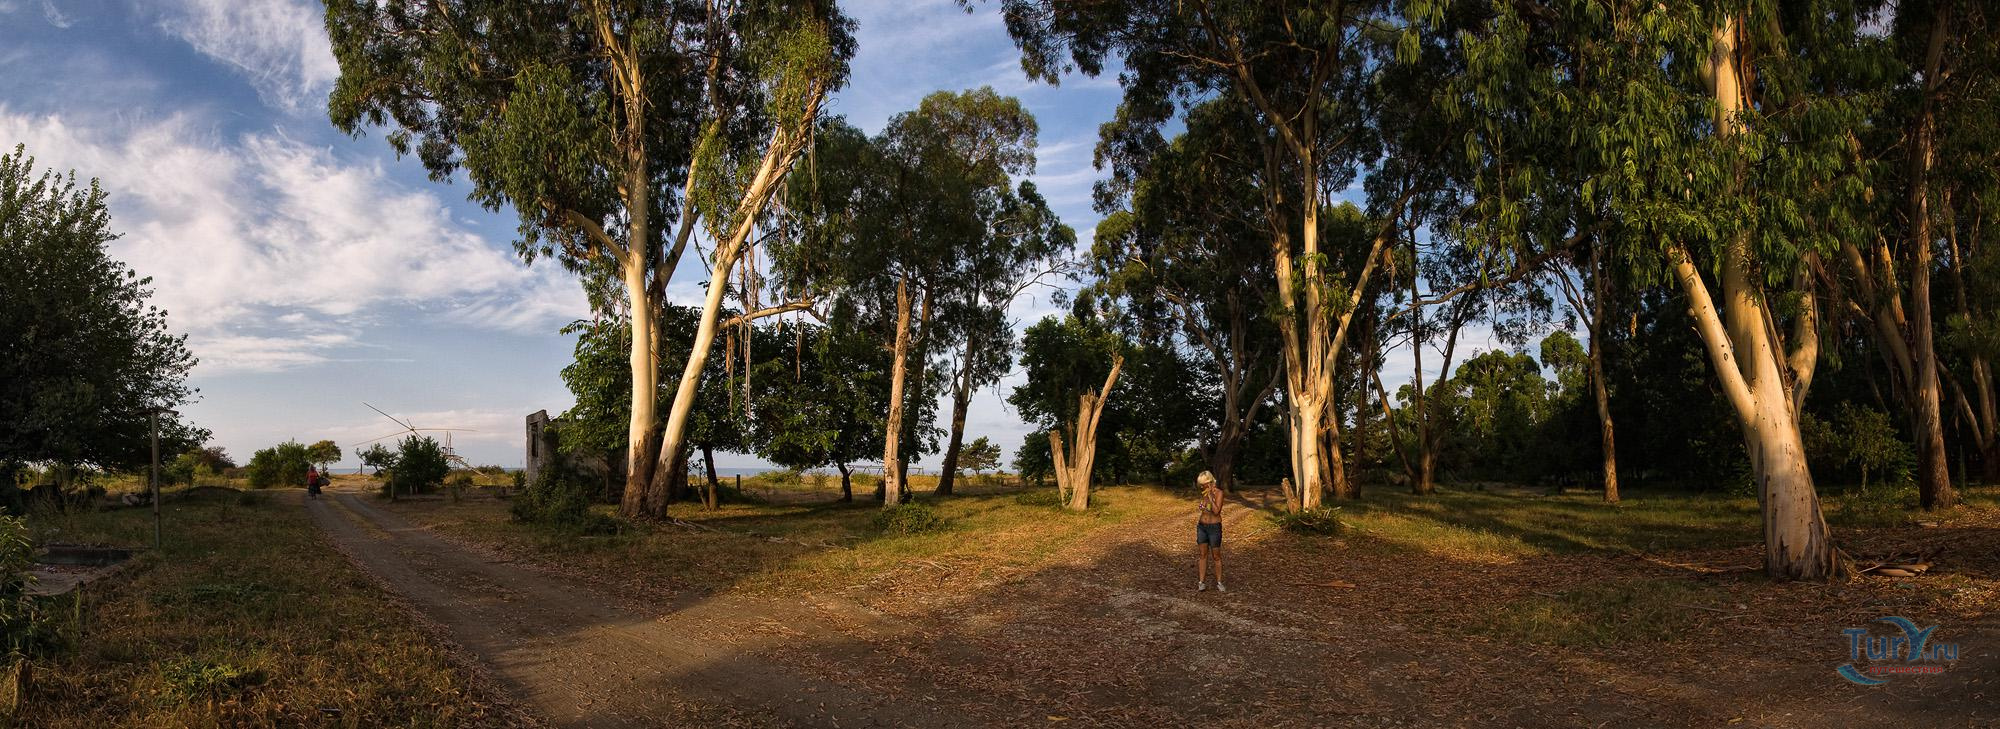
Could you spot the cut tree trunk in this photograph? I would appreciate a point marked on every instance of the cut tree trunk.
(1073, 468)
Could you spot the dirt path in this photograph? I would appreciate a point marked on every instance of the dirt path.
(582, 657)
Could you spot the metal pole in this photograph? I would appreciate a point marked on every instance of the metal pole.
(156, 479)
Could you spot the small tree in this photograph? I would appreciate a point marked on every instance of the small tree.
(323, 453)
(420, 466)
(1067, 359)
(284, 464)
(979, 456)
(377, 456)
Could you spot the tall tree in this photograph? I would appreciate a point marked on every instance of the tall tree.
(83, 355)
(602, 123)
(1180, 242)
(1303, 75)
(825, 403)
(911, 208)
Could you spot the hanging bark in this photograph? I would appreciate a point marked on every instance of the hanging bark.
(1073, 468)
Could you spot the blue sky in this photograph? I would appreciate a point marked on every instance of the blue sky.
(313, 271)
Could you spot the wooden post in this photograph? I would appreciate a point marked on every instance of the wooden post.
(156, 478)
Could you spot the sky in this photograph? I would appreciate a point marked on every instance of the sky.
(314, 272)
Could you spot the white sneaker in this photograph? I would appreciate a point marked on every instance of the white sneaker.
(1200, 586)
(1219, 587)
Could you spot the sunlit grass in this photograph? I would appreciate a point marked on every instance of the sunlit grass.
(245, 617)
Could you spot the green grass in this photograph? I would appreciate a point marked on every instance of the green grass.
(786, 548)
(245, 617)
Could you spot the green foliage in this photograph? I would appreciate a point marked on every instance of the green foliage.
(559, 498)
(28, 624)
(1860, 439)
(323, 453)
(979, 456)
(83, 355)
(377, 456)
(911, 519)
(284, 464)
(1039, 497)
(420, 466)
(193, 678)
(1323, 521)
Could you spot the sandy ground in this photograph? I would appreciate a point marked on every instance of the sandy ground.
(1112, 633)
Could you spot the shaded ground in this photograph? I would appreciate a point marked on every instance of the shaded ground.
(1490, 610)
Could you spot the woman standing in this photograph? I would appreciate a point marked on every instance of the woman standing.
(1208, 533)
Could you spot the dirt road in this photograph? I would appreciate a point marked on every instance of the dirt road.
(581, 657)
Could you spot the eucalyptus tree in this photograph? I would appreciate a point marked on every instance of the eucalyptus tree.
(1304, 75)
(1072, 366)
(1180, 242)
(602, 123)
(1727, 184)
(1024, 241)
(915, 210)
(1966, 171)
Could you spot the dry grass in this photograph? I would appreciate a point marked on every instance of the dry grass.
(245, 618)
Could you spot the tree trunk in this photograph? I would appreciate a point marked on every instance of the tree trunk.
(712, 500)
(961, 399)
(846, 482)
(644, 361)
(1073, 469)
(1744, 354)
(1607, 441)
(1933, 477)
(779, 155)
(892, 459)
(920, 350)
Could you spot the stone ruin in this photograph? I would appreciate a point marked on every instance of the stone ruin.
(543, 450)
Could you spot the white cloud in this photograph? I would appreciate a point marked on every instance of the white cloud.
(273, 254)
(55, 16)
(280, 46)
(468, 427)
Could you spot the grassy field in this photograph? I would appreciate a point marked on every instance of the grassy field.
(244, 618)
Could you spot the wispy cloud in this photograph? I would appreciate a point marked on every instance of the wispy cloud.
(272, 254)
(55, 16)
(279, 46)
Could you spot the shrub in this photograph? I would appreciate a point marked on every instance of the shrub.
(420, 466)
(191, 678)
(1039, 497)
(27, 623)
(560, 497)
(457, 485)
(284, 464)
(1321, 521)
(911, 518)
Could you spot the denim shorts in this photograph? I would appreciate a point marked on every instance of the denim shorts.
(1209, 534)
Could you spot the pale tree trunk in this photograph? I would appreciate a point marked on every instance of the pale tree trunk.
(1073, 468)
(892, 460)
(1933, 478)
(644, 360)
(1744, 352)
(778, 158)
(961, 400)
(920, 347)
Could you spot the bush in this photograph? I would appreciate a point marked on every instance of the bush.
(1321, 521)
(560, 497)
(191, 678)
(420, 466)
(284, 464)
(29, 626)
(457, 485)
(911, 518)
(1039, 497)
